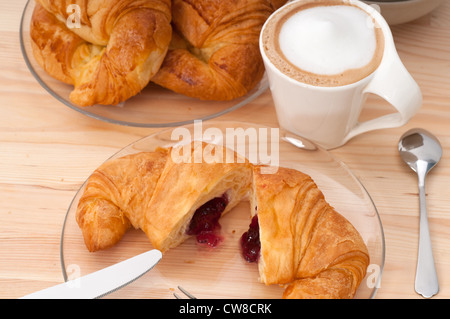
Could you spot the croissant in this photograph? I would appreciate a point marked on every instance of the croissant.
(304, 243)
(214, 53)
(298, 240)
(111, 56)
(162, 194)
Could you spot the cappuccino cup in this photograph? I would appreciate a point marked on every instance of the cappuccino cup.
(323, 58)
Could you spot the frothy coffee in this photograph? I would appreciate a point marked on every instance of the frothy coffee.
(324, 43)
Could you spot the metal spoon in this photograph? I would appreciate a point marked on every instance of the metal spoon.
(422, 151)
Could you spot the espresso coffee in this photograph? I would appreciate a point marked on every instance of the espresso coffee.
(323, 43)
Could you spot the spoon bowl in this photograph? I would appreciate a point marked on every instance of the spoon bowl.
(422, 151)
(417, 146)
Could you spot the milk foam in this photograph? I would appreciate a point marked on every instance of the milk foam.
(328, 39)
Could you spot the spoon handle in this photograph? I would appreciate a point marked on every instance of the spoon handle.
(426, 278)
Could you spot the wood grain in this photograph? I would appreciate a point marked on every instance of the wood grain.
(47, 150)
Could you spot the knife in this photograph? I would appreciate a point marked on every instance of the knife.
(102, 282)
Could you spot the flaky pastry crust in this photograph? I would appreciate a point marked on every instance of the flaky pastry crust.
(112, 56)
(215, 54)
(116, 195)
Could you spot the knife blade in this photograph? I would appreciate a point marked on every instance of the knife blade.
(102, 282)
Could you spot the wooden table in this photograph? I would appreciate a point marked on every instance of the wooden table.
(47, 150)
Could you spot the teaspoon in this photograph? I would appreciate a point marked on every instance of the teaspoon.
(422, 151)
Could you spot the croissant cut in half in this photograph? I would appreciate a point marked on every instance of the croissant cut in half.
(297, 239)
(305, 244)
(159, 192)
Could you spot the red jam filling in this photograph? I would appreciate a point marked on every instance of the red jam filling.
(250, 243)
(205, 222)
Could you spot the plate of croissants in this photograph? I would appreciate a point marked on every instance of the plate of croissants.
(235, 217)
(128, 62)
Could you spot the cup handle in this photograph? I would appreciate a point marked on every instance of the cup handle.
(393, 83)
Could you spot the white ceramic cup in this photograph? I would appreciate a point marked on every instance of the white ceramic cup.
(329, 116)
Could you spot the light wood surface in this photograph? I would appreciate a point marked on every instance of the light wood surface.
(47, 150)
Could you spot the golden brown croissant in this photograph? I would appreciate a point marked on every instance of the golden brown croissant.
(111, 57)
(304, 242)
(162, 194)
(215, 55)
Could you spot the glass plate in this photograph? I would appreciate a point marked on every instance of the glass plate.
(153, 107)
(222, 272)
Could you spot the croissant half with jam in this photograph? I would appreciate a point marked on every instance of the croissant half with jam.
(297, 239)
(160, 192)
(304, 243)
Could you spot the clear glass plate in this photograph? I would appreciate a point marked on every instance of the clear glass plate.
(153, 107)
(222, 272)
